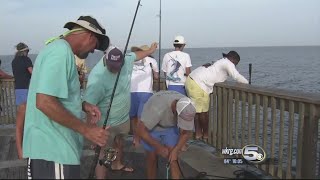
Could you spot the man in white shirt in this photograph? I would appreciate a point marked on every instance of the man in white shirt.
(176, 66)
(144, 71)
(200, 82)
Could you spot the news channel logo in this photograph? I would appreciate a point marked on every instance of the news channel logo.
(253, 153)
(250, 153)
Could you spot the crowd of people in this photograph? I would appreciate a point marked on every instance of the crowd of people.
(50, 129)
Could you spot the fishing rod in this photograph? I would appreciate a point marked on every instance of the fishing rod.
(98, 148)
(250, 70)
(159, 48)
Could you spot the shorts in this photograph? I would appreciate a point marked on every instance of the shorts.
(21, 96)
(199, 96)
(42, 169)
(168, 137)
(122, 129)
(138, 99)
(178, 88)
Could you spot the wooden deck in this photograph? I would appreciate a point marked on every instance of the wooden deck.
(12, 168)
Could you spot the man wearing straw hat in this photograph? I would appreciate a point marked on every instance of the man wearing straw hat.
(54, 130)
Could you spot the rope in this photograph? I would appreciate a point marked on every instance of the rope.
(63, 35)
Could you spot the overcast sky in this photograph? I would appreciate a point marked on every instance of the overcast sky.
(203, 23)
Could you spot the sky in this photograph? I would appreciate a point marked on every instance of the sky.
(203, 23)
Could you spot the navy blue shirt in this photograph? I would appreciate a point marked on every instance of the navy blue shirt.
(22, 76)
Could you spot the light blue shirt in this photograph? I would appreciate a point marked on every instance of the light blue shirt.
(55, 74)
(100, 86)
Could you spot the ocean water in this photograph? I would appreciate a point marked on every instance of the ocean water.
(292, 67)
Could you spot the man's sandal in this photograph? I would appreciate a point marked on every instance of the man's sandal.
(123, 169)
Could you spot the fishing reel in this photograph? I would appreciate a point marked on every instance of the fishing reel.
(110, 154)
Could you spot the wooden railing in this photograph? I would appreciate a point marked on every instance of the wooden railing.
(8, 99)
(7, 102)
(284, 123)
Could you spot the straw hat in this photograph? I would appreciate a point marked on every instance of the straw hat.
(141, 48)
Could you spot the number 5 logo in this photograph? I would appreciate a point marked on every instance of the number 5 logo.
(253, 153)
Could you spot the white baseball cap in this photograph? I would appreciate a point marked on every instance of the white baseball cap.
(186, 111)
(179, 40)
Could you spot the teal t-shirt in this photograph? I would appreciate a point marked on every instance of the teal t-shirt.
(54, 74)
(99, 89)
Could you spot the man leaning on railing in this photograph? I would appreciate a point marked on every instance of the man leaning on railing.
(200, 82)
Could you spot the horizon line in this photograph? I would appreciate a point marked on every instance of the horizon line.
(259, 46)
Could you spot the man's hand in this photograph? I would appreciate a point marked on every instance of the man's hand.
(173, 156)
(163, 151)
(97, 135)
(143, 54)
(153, 47)
(92, 111)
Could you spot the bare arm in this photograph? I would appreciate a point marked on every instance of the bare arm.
(30, 70)
(184, 136)
(143, 54)
(233, 72)
(4, 75)
(154, 69)
(144, 134)
(188, 71)
(52, 108)
(155, 75)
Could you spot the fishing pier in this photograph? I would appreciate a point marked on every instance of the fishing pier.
(285, 124)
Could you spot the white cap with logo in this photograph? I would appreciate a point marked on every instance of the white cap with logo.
(179, 40)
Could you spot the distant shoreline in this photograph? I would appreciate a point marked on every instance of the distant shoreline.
(212, 47)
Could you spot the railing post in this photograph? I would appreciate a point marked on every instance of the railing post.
(224, 118)
(219, 119)
(309, 143)
(215, 116)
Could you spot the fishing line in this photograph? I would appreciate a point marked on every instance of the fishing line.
(98, 148)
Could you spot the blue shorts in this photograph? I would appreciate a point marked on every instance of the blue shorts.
(178, 88)
(168, 137)
(21, 96)
(138, 99)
